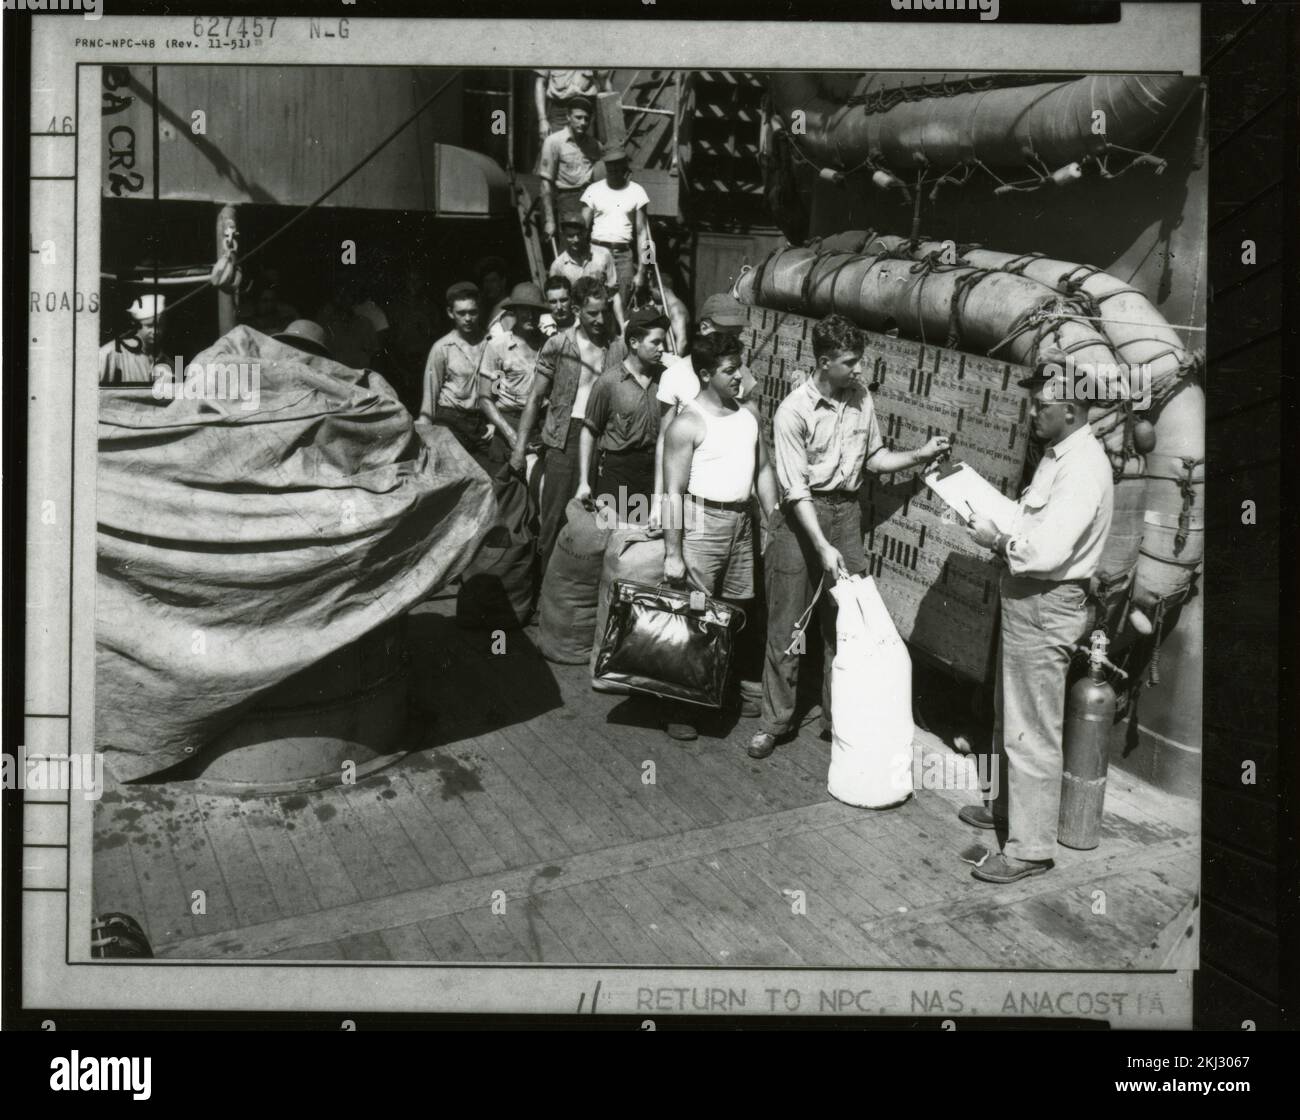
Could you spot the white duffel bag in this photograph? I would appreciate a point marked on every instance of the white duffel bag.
(871, 701)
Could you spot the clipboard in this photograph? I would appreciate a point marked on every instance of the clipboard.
(966, 490)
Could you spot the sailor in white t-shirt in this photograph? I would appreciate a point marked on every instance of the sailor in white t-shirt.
(616, 211)
(679, 384)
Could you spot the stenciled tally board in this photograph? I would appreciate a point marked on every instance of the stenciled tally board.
(941, 589)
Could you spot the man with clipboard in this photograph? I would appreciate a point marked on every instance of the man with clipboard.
(1051, 555)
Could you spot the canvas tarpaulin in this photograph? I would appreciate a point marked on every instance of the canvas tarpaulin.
(242, 540)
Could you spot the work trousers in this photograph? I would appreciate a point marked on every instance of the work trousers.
(471, 431)
(499, 451)
(792, 572)
(561, 471)
(1042, 622)
(624, 265)
(628, 479)
(720, 548)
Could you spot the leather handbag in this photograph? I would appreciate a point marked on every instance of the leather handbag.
(668, 641)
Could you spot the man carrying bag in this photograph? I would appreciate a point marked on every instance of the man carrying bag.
(714, 458)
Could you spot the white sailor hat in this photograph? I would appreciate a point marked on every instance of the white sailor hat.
(147, 307)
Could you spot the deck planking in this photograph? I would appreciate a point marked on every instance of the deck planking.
(538, 792)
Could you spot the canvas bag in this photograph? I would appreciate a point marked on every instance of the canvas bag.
(571, 585)
(871, 701)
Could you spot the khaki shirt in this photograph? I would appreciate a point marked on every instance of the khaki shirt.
(509, 366)
(822, 444)
(451, 375)
(1065, 513)
(567, 161)
(600, 266)
(564, 84)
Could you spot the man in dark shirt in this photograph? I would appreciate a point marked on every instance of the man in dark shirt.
(569, 363)
(623, 419)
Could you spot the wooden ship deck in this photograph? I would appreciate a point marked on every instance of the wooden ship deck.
(527, 782)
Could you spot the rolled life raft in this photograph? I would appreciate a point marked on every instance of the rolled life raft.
(1172, 538)
(951, 121)
(1013, 306)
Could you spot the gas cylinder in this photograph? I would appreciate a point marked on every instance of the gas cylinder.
(1089, 716)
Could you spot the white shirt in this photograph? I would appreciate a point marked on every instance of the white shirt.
(613, 210)
(679, 384)
(1065, 513)
(722, 465)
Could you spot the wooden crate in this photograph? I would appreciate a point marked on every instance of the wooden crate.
(941, 590)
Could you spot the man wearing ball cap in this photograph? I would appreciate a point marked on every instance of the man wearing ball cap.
(1051, 556)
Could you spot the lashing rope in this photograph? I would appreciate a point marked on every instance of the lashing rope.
(799, 627)
(960, 295)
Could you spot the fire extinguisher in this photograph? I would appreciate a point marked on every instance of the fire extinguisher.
(1089, 716)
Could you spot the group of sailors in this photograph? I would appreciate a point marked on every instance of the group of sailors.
(591, 387)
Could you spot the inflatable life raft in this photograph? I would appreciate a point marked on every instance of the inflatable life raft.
(1012, 306)
(949, 121)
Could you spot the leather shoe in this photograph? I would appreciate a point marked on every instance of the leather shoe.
(682, 732)
(761, 745)
(977, 816)
(1001, 868)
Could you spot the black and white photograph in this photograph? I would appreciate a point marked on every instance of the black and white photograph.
(698, 520)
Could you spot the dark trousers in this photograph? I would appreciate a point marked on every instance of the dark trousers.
(628, 478)
(561, 473)
(470, 429)
(499, 452)
(792, 572)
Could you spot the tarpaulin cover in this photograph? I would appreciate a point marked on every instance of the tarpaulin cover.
(238, 545)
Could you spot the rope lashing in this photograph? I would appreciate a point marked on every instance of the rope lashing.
(796, 635)
(1017, 267)
(960, 294)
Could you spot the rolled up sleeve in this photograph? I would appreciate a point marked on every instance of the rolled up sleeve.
(789, 432)
(435, 372)
(875, 438)
(546, 360)
(598, 407)
(548, 165)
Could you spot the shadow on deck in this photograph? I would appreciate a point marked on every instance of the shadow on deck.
(525, 827)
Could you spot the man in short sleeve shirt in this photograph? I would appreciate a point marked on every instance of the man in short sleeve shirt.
(554, 91)
(617, 211)
(451, 372)
(825, 436)
(566, 166)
